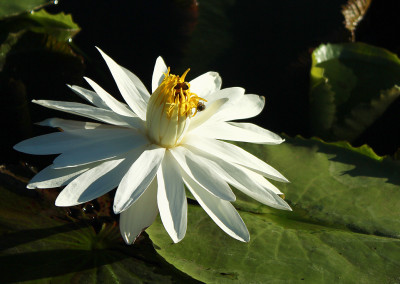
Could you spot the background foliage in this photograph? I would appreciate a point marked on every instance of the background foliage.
(345, 195)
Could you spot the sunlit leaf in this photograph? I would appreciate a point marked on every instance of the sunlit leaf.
(344, 227)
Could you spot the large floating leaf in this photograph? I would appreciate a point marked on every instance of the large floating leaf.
(9, 8)
(39, 243)
(344, 228)
(351, 87)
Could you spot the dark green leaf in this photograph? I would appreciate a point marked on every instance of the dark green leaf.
(364, 114)
(60, 26)
(10, 8)
(350, 88)
(41, 243)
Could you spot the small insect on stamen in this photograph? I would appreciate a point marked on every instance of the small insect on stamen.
(200, 106)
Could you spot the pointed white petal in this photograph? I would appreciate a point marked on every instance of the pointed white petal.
(138, 84)
(215, 104)
(90, 96)
(91, 184)
(68, 125)
(206, 84)
(171, 198)
(158, 74)
(50, 178)
(110, 101)
(59, 142)
(207, 114)
(222, 212)
(126, 87)
(235, 154)
(138, 178)
(246, 132)
(245, 107)
(139, 215)
(109, 148)
(269, 136)
(246, 181)
(95, 113)
(53, 143)
(199, 169)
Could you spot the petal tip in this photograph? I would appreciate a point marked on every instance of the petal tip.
(245, 238)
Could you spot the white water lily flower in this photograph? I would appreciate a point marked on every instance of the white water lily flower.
(153, 146)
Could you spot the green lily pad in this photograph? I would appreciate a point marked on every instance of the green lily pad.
(39, 243)
(352, 85)
(10, 8)
(60, 26)
(344, 228)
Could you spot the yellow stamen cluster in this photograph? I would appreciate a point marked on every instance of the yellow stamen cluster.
(170, 109)
(177, 94)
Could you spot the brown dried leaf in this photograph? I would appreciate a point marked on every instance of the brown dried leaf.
(353, 12)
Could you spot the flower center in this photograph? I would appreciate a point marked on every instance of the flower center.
(169, 110)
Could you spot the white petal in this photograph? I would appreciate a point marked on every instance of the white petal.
(269, 136)
(158, 74)
(233, 94)
(246, 132)
(109, 148)
(245, 107)
(222, 212)
(138, 84)
(93, 113)
(68, 125)
(139, 215)
(204, 116)
(59, 142)
(126, 87)
(171, 198)
(235, 154)
(90, 96)
(110, 101)
(138, 178)
(199, 170)
(246, 181)
(91, 184)
(50, 178)
(53, 143)
(206, 84)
